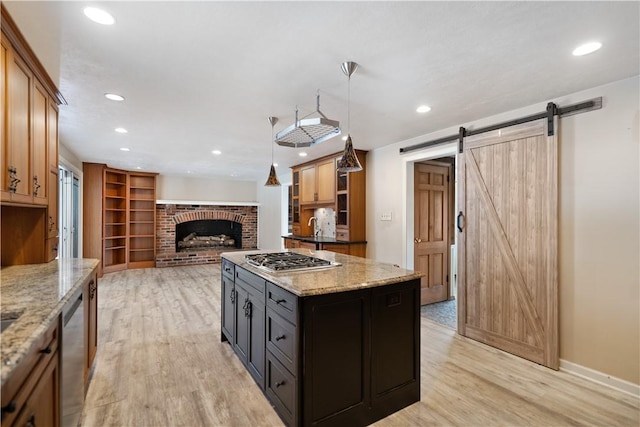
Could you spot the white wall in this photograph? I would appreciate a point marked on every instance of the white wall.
(270, 216)
(599, 223)
(202, 189)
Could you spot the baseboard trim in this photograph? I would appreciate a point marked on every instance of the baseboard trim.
(600, 378)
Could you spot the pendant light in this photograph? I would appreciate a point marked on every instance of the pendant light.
(349, 161)
(272, 180)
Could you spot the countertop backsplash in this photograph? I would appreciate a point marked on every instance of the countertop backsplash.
(326, 222)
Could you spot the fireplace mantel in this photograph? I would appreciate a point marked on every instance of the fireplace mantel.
(204, 203)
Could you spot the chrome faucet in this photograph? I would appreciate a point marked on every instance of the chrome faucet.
(316, 230)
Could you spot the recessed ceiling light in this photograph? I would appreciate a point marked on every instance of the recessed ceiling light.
(586, 48)
(99, 16)
(188, 171)
(124, 149)
(344, 138)
(275, 165)
(217, 152)
(114, 97)
(138, 167)
(302, 154)
(121, 130)
(423, 109)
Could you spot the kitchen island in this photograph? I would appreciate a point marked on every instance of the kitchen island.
(338, 345)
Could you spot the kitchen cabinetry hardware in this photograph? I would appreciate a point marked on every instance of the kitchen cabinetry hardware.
(247, 308)
(280, 337)
(13, 186)
(232, 296)
(279, 383)
(46, 350)
(31, 422)
(92, 289)
(51, 223)
(36, 186)
(459, 221)
(10, 408)
(280, 301)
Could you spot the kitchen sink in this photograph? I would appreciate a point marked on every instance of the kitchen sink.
(8, 320)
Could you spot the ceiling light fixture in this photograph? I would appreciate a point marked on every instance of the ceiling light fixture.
(586, 48)
(99, 16)
(302, 154)
(216, 152)
(423, 109)
(272, 180)
(114, 97)
(124, 149)
(349, 161)
(121, 130)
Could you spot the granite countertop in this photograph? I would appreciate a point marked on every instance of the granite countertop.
(36, 293)
(354, 273)
(321, 239)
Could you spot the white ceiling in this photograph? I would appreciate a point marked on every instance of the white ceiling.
(200, 76)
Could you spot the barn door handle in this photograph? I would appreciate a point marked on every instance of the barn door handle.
(459, 221)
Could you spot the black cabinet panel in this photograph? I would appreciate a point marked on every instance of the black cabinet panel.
(241, 337)
(281, 388)
(256, 355)
(282, 340)
(336, 351)
(228, 306)
(283, 302)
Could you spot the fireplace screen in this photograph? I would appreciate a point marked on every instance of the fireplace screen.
(208, 234)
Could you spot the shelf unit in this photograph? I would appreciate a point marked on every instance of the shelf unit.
(114, 232)
(142, 220)
(119, 210)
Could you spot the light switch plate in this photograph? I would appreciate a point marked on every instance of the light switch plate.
(386, 216)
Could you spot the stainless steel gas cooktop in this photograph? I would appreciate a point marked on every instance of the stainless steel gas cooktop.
(288, 261)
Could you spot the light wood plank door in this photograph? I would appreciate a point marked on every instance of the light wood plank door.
(507, 250)
(431, 229)
(326, 181)
(308, 185)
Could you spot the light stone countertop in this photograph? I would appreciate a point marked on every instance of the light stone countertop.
(37, 293)
(354, 273)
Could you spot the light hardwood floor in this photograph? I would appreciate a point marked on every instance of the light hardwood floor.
(160, 362)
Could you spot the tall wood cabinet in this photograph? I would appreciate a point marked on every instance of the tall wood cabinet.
(28, 152)
(119, 217)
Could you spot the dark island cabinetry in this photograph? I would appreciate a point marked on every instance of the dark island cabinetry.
(333, 358)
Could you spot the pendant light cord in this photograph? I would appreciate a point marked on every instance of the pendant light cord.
(271, 145)
(349, 106)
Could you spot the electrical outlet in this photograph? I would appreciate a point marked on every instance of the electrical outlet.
(386, 216)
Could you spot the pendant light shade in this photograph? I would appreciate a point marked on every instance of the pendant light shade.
(349, 161)
(272, 180)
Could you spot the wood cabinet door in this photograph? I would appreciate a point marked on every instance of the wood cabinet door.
(308, 185)
(4, 161)
(43, 405)
(20, 83)
(431, 229)
(326, 181)
(39, 145)
(507, 249)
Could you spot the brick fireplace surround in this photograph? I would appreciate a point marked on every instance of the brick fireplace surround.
(168, 215)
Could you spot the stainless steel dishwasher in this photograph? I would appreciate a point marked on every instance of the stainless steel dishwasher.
(72, 370)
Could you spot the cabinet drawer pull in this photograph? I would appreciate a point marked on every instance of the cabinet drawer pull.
(11, 407)
(31, 422)
(280, 337)
(46, 350)
(280, 301)
(13, 185)
(278, 384)
(232, 297)
(36, 186)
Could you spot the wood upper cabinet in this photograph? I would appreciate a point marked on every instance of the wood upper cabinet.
(17, 150)
(317, 183)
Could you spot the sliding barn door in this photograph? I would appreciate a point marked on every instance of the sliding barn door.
(507, 289)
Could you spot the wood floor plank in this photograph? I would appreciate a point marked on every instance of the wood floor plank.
(160, 363)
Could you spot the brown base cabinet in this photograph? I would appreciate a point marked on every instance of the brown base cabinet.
(90, 298)
(32, 393)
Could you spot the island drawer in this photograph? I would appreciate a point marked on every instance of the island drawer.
(257, 284)
(281, 390)
(282, 340)
(282, 302)
(228, 268)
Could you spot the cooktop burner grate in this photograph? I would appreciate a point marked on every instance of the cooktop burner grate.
(287, 261)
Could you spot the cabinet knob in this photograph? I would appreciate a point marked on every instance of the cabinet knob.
(279, 337)
(11, 407)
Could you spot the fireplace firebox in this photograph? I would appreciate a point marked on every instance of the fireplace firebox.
(208, 234)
